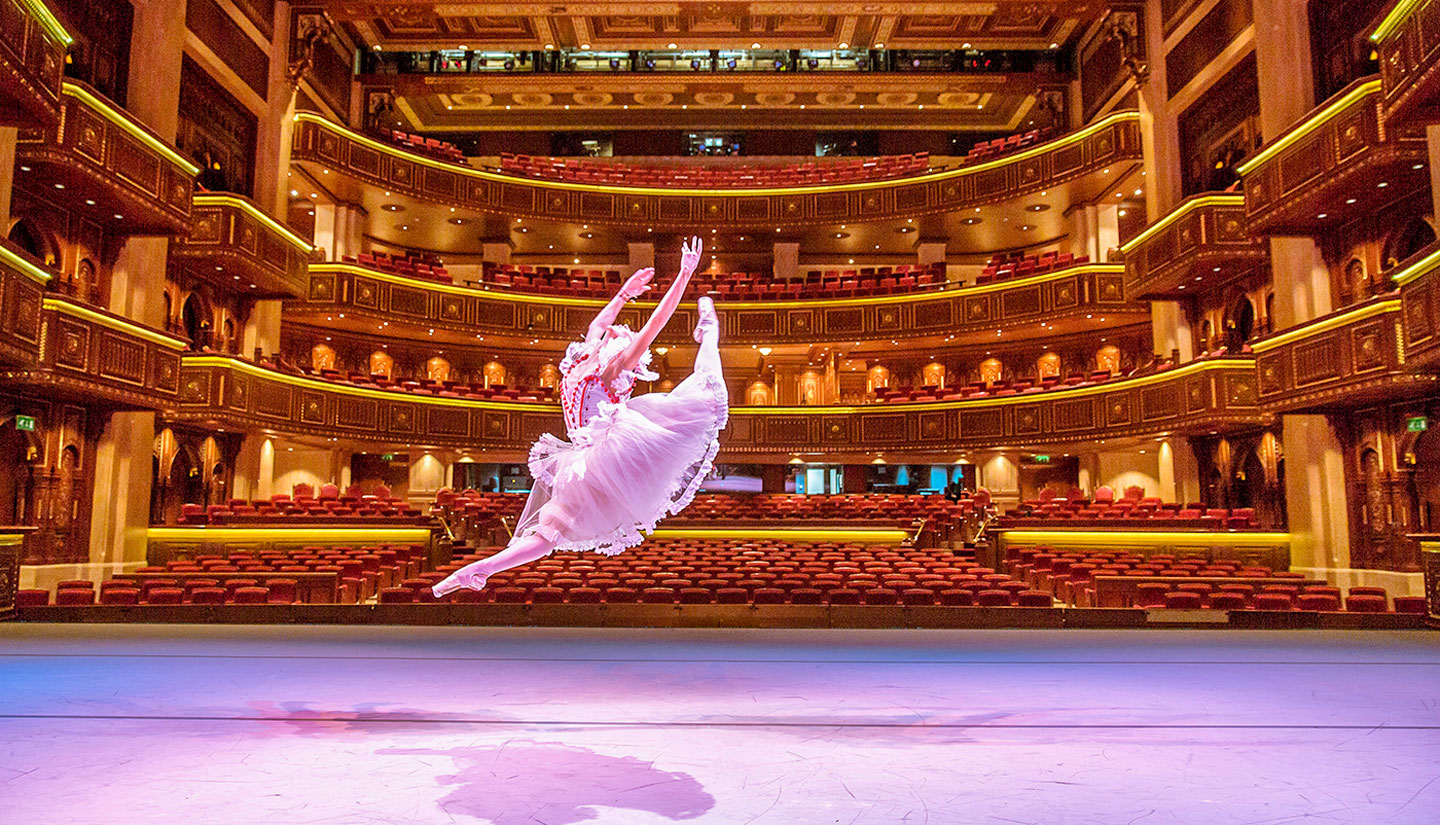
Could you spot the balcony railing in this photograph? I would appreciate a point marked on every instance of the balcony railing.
(1338, 163)
(1345, 358)
(329, 147)
(1419, 284)
(1020, 305)
(22, 288)
(112, 168)
(1202, 243)
(239, 248)
(1198, 397)
(32, 61)
(1408, 40)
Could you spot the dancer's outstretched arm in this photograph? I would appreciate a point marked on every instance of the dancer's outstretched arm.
(634, 286)
(689, 259)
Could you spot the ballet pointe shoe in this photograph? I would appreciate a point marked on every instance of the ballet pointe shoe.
(708, 322)
(462, 578)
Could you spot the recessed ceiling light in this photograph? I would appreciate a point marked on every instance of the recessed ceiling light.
(458, 221)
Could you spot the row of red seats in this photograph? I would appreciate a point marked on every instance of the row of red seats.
(440, 149)
(990, 149)
(409, 266)
(329, 506)
(982, 389)
(1022, 266)
(449, 388)
(722, 286)
(588, 170)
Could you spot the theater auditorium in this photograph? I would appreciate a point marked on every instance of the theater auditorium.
(1060, 379)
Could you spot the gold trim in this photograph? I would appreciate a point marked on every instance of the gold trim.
(306, 533)
(111, 322)
(1114, 536)
(1325, 325)
(123, 120)
(902, 298)
(49, 21)
(878, 535)
(1185, 208)
(495, 177)
(29, 270)
(1429, 263)
(254, 211)
(1393, 20)
(1309, 124)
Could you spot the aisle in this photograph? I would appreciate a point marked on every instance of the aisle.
(226, 725)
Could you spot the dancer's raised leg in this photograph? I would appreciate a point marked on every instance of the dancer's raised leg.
(707, 333)
(519, 551)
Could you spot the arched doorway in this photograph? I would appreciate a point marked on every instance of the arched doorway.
(194, 321)
(1409, 239)
(1240, 324)
(28, 235)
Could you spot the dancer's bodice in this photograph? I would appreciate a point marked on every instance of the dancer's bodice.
(583, 388)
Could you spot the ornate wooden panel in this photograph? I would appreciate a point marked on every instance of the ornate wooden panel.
(1333, 165)
(32, 57)
(1113, 140)
(1203, 242)
(1072, 293)
(237, 247)
(1408, 40)
(99, 152)
(1420, 310)
(22, 286)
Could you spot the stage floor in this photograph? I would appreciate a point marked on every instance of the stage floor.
(113, 724)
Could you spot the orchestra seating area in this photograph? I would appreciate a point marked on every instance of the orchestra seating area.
(304, 506)
(737, 286)
(616, 173)
(1106, 510)
(1001, 146)
(1019, 265)
(438, 149)
(420, 267)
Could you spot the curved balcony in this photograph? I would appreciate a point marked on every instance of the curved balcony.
(22, 288)
(32, 61)
(1342, 359)
(235, 246)
(95, 357)
(323, 146)
(1408, 40)
(1203, 242)
(1201, 396)
(371, 297)
(125, 176)
(1419, 284)
(1339, 162)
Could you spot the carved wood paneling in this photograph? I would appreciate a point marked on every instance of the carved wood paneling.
(1204, 238)
(230, 247)
(20, 298)
(31, 63)
(1410, 66)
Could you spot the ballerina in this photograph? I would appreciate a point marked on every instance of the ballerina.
(629, 461)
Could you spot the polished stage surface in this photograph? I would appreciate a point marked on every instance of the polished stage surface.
(244, 724)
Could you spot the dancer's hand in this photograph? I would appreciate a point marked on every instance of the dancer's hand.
(637, 284)
(690, 255)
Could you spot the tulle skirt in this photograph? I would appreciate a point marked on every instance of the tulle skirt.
(631, 465)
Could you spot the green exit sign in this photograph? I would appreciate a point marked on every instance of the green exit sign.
(1418, 424)
(25, 423)
(1042, 459)
(388, 457)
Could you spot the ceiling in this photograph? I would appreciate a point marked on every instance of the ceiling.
(418, 25)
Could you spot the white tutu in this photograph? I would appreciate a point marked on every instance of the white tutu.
(631, 464)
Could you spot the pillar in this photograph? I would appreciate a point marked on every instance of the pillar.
(120, 501)
(1170, 329)
(1001, 476)
(641, 256)
(7, 172)
(1159, 123)
(255, 468)
(1315, 494)
(275, 130)
(930, 252)
(498, 253)
(1178, 471)
(262, 329)
(787, 260)
(1096, 230)
(1432, 135)
(339, 229)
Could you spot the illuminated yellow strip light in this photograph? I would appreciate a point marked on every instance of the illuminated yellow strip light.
(1427, 264)
(557, 300)
(1185, 208)
(228, 362)
(1327, 324)
(1392, 21)
(1114, 385)
(111, 322)
(48, 21)
(11, 539)
(382, 534)
(25, 267)
(124, 121)
(871, 535)
(254, 211)
(1103, 537)
(496, 177)
(1309, 125)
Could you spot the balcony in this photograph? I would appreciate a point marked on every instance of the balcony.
(94, 357)
(1082, 160)
(1202, 243)
(113, 169)
(22, 288)
(32, 60)
(1419, 284)
(367, 297)
(1199, 397)
(1339, 162)
(1408, 40)
(237, 247)
(1346, 358)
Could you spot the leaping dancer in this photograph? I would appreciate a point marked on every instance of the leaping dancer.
(629, 461)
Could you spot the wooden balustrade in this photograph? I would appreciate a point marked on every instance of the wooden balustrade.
(32, 60)
(1408, 41)
(1202, 242)
(236, 246)
(1419, 283)
(22, 288)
